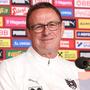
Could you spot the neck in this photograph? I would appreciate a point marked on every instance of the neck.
(47, 53)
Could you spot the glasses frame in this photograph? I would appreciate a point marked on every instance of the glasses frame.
(52, 26)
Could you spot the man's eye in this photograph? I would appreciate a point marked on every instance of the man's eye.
(52, 24)
(36, 27)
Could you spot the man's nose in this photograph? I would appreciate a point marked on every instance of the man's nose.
(46, 30)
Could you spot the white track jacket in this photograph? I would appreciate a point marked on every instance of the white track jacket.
(30, 71)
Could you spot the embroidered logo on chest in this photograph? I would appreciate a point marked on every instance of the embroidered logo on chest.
(71, 83)
(34, 85)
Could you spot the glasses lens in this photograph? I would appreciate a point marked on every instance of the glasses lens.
(37, 28)
(53, 26)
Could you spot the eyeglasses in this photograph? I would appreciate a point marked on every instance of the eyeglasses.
(52, 26)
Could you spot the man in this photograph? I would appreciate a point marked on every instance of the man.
(40, 68)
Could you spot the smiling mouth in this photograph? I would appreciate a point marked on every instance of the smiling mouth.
(47, 39)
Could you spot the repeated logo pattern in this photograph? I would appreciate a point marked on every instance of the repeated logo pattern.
(76, 18)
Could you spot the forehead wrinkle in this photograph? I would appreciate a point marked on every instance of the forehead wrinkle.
(43, 16)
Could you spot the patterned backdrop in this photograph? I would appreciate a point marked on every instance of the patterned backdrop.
(76, 17)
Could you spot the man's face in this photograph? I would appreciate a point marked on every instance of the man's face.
(46, 39)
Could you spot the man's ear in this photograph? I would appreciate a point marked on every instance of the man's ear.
(28, 33)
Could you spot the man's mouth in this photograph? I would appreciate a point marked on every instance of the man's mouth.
(47, 39)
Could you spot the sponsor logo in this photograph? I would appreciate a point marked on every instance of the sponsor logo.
(1, 53)
(13, 53)
(82, 44)
(19, 33)
(84, 23)
(63, 3)
(4, 32)
(68, 34)
(4, 10)
(69, 23)
(84, 54)
(25, 2)
(82, 3)
(4, 2)
(82, 13)
(1, 21)
(19, 11)
(5, 43)
(21, 43)
(66, 44)
(82, 34)
(66, 12)
(15, 22)
(68, 54)
(36, 1)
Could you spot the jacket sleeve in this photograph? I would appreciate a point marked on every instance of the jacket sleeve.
(7, 80)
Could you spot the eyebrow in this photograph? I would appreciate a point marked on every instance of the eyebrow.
(43, 23)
